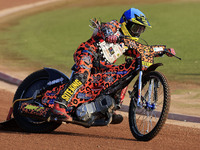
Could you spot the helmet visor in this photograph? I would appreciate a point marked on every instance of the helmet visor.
(135, 29)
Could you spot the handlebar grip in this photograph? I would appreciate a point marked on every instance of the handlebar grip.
(166, 51)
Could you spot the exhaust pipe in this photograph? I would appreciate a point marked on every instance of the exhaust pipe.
(34, 111)
(44, 114)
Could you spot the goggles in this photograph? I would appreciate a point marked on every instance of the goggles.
(135, 29)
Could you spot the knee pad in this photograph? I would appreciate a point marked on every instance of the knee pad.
(83, 77)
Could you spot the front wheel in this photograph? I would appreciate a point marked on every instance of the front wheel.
(147, 119)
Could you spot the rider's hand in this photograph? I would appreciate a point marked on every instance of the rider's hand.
(171, 50)
(112, 39)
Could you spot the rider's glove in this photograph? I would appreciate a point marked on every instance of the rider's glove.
(171, 50)
(112, 39)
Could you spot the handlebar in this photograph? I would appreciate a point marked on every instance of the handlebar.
(122, 37)
(166, 51)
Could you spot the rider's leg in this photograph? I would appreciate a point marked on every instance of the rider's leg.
(117, 73)
(79, 77)
(118, 118)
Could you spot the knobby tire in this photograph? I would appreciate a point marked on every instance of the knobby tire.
(33, 82)
(164, 113)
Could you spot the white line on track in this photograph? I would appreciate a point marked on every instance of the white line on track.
(9, 11)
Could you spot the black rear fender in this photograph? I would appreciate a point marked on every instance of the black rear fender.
(55, 76)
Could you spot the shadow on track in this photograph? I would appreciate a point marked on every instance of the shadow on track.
(11, 126)
(91, 135)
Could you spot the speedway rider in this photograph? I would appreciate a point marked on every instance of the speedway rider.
(132, 23)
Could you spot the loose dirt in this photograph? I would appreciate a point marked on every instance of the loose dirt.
(174, 135)
(69, 136)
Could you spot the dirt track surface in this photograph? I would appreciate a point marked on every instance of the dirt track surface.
(76, 137)
(13, 3)
(69, 136)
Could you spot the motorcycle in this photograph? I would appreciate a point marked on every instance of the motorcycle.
(97, 100)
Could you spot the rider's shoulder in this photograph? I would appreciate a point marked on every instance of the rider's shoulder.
(115, 23)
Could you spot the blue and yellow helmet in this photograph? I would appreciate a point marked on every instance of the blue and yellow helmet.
(133, 23)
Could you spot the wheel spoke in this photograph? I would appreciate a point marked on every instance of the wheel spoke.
(153, 107)
(152, 94)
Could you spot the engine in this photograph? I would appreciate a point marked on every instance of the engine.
(89, 111)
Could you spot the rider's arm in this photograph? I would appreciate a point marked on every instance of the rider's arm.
(109, 28)
(158, 49)
(133, 46)
(108, 31)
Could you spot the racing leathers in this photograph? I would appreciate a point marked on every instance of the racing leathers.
(88, 56)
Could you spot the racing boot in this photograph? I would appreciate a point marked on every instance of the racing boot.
(116, 119)
(59, 113)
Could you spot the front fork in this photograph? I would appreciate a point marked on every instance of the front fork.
(148, 102)
(152, 82)
(139, 89)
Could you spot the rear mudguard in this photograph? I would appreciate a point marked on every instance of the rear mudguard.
(56, 76)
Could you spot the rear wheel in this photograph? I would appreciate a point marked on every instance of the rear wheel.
(33, 82)
(147, 119)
